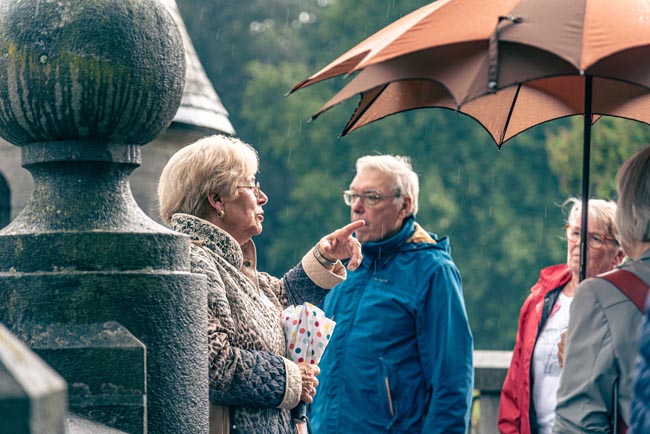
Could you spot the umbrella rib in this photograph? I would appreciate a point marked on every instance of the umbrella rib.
(360, 111)
(510, 110)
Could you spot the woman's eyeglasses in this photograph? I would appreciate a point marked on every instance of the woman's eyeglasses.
(368, 199)
(256, 189)
(595, 240)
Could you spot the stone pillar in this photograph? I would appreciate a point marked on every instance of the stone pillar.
(83, 84)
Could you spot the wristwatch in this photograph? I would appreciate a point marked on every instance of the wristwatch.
(320, 258)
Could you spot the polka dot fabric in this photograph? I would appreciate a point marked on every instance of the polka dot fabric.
(307, 331)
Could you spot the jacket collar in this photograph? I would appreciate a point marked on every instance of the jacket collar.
(645, 256)
(388, 245)
(411, 235)
(205, 234)
(550, 278)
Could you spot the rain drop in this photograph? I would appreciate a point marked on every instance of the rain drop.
(305, 17)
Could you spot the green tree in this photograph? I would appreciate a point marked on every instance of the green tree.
(613, 140)
(227, 35)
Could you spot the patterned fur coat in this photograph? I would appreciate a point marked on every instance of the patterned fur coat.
(247, 368)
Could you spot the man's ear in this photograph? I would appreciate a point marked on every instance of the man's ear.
(406, 208)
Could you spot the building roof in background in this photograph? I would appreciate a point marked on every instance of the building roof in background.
(200, 104)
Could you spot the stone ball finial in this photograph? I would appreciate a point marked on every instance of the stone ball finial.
(88, 70)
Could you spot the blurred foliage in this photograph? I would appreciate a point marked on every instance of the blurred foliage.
(501, 209)
(613, 141)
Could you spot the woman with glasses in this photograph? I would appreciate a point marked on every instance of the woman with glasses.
(601, 344)
(528, 395)
(208, 191)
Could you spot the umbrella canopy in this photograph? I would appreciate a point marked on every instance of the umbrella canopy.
(509, 64)
(471, 47)
(504, 113)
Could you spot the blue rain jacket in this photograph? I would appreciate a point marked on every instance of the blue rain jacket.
(400, 357)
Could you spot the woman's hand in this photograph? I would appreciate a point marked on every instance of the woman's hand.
(309, 381)
(340, 244)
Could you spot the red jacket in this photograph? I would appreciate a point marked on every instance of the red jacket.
(514, 407)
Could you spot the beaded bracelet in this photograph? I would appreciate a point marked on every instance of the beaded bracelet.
(320, 258)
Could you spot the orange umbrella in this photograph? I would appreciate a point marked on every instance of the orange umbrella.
(466, 44)
(509, 64)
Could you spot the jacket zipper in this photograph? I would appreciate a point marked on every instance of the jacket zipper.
(390, 398)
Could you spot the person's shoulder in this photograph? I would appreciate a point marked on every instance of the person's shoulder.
(595, 290)
(425, 250)
(427, 243)
(421, 238)
(550, 278)
(557, 271)
(437, 254)
(640, 267)
(201, 258)
(198, 249)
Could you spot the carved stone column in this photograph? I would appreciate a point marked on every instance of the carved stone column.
(83, 84)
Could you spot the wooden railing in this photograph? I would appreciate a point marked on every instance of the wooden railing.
(490, 369)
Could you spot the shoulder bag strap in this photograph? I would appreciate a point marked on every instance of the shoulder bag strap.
(629, 284)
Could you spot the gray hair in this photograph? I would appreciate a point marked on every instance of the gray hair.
(211, 165)
(599, 210)
(633, 186)
(398, 168)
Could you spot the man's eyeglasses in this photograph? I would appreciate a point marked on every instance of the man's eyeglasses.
(595, 240)
(368, 199)
(256, 189)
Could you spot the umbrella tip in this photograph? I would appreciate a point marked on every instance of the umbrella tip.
(296, 87)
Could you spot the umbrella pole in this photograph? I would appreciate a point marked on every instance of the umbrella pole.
(586, 154)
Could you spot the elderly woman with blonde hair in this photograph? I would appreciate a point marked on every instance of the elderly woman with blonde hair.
(208, 191)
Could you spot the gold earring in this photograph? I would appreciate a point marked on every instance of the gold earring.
(220, 214)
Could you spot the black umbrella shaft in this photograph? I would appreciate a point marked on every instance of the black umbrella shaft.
(586, 155)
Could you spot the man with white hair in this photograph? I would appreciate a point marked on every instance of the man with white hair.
(400, 357)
